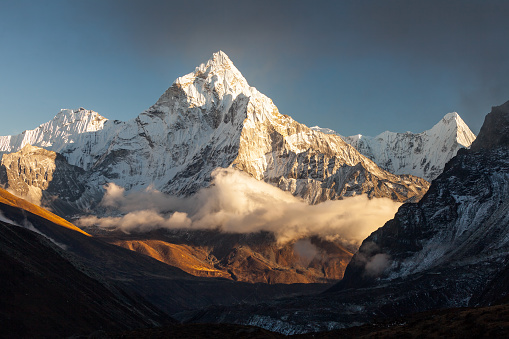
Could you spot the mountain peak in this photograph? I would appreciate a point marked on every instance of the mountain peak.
(64, 128)
(452, 123)
(495, 129)
(206, 86)
(221, 58)
(219, 69)
(451, 118)
(219, 64)
(73, 115)
(421, 154)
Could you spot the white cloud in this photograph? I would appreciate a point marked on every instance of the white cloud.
(377, 264)
(237, 203)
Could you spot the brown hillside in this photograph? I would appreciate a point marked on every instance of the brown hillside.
(12, 200)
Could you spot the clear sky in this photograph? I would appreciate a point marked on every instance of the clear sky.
(353, 66)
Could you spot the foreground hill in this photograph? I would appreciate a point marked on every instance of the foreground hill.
(9, 199)
(478, 322)
(43, 293)
(57, 281)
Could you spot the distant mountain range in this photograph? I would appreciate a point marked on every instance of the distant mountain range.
(421, 154)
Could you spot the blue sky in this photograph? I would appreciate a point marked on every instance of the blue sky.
(353, 66)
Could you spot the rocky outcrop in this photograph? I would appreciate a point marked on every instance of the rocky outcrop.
(34, 170)
(253, 258)
(495, 130)
(313, 165)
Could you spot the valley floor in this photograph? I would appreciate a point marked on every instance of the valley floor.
(483, 322)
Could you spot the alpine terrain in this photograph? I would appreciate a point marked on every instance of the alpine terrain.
(421, 154)
(461, 223)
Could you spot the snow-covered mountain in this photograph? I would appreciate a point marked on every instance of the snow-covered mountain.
(207, 119)
(325, 130)
(65, 128)
(421, 154)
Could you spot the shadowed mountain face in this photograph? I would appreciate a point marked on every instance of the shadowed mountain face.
(44, 177)
(35, 170)
(44, 294)
(462, 219)
(495, 130)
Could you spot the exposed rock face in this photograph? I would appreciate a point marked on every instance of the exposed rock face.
(421, 154)
(462, 222)
(495, 130)
(207, 119)
(34, 170)
(313, 165)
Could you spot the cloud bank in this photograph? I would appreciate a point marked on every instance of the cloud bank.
(237, 203)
